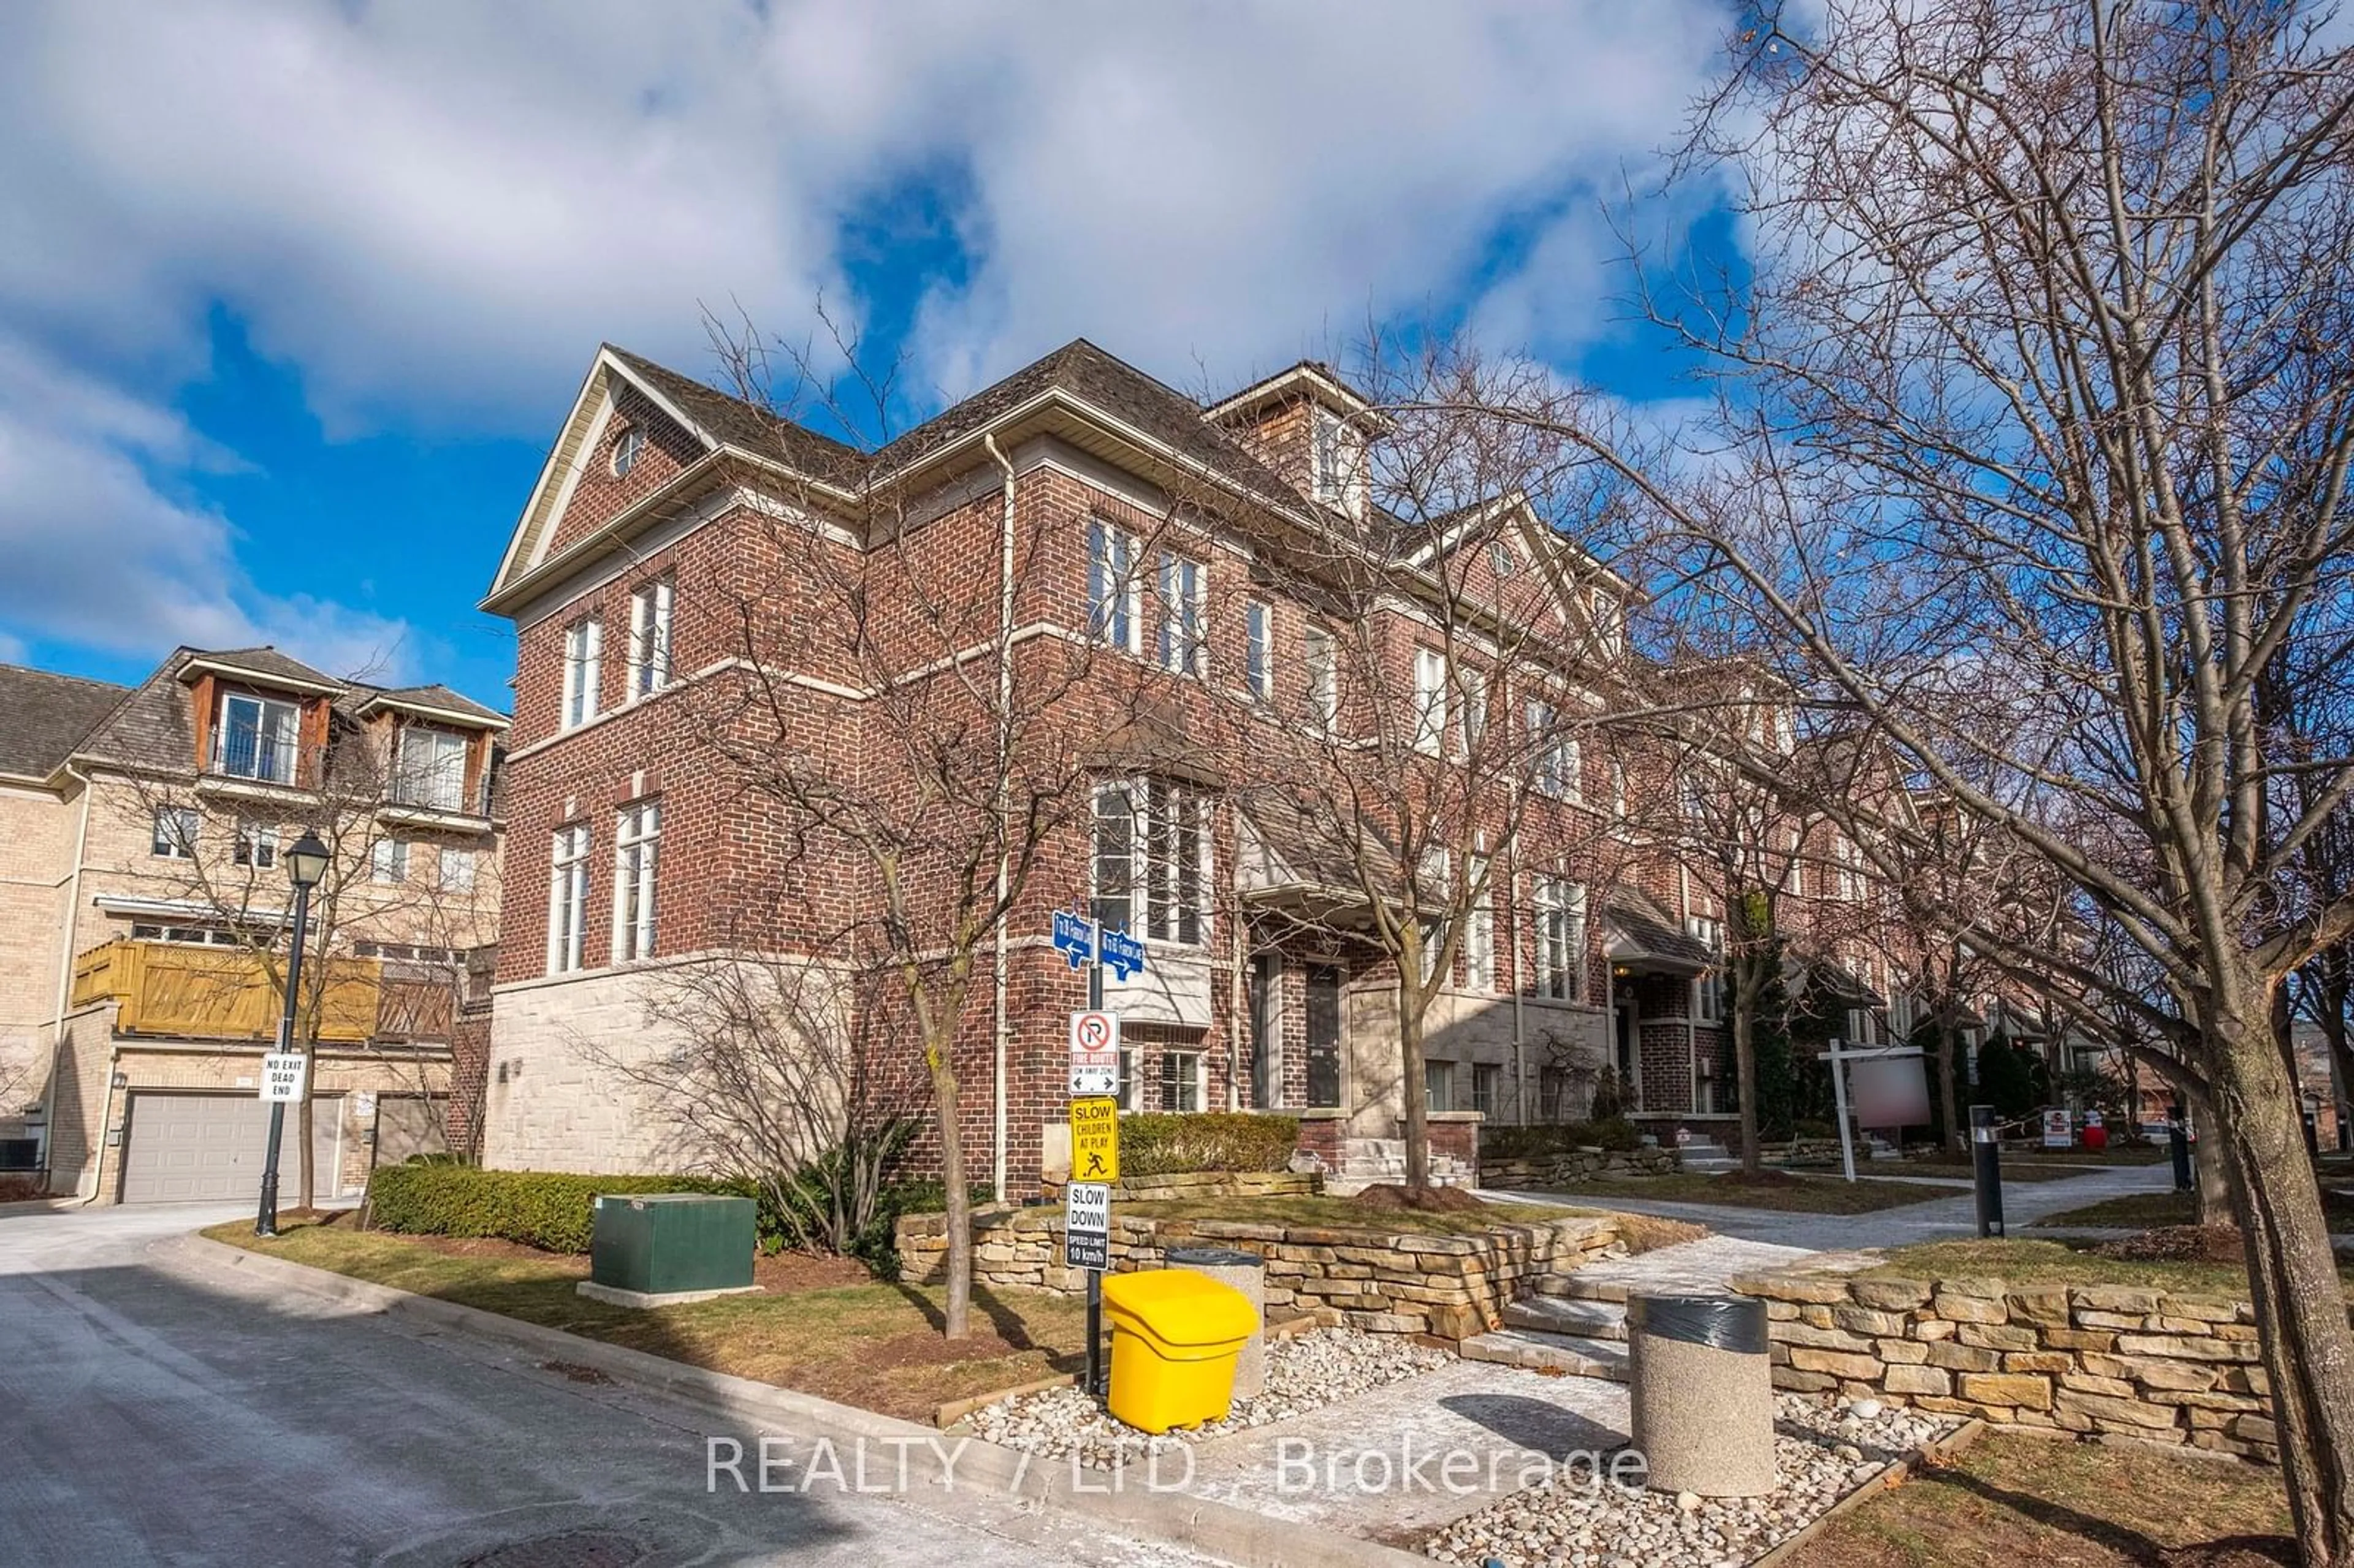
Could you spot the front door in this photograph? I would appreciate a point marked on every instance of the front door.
(1266, 1018)
(1628, 1032)
(1323, 1041)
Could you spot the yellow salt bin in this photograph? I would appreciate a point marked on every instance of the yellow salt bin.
(1174, 1338)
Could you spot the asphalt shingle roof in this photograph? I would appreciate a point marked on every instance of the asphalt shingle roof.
(44, 716)
(735, 422)
(268, 663)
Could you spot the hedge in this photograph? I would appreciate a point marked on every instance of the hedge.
(1614, 1133)
(553, 1210)
(1171, 1143)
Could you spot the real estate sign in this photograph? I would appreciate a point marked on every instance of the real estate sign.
(1087, 1225)
(283, 1073)
(2057, 1133)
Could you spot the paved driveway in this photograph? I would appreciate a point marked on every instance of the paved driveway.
(154, 1412)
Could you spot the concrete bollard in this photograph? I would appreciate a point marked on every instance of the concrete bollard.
(1700, 1385)
(1246, 1272)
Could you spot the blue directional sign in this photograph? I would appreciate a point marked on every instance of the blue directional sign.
(1123, 954)
(1074, 937)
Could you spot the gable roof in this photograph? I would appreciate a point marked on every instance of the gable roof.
(435, 698)
(44, 715)
(265, 664)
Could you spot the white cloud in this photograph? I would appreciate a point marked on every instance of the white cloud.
(434, 210)
(99, 555)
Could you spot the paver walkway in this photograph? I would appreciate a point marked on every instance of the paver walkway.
(1936, 1219)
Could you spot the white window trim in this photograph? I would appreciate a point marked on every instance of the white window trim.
(1430, 700)
(1116, 602)
(567, 894)
(178, 841)
(263, 707)
(388, 860)
(1710, 987)
(1200, 1075)
(584, 648)
(421, 787)
(1149, 877)
(651, 611)
(1180, 640)
(1561, 977)
(637, 827)
(452, 854)
(1258, 649)
(1321, 653)
(1479, 933)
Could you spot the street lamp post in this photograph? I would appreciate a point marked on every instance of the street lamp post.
(307, 865)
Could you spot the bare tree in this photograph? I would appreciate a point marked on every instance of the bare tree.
(2040, 397)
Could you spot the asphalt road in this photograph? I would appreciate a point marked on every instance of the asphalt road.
(153, 1411)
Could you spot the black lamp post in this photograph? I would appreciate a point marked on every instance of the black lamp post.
(307, 865)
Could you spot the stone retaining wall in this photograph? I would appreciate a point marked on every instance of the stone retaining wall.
(2125, 1360)
(1447, 1287)
(1535, 1172)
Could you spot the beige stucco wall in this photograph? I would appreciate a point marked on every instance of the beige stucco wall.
(1466, 1028)
(560, 1095)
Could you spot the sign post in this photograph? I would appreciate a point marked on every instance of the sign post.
(1838, 1058)
(1095, 1112)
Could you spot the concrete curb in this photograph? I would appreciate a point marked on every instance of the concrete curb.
(1941, 1451)
(931, 1456)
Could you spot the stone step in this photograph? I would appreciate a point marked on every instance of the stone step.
(1540, 1352)
(1574, 1285)
(1561, 1315)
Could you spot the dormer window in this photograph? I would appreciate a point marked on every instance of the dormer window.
(626, 448)
(431, 768)
(1337, 455)
(256, 738)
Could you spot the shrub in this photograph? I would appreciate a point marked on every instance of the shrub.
(1614, 1133)
(1809, 1128)
(1170, 1143)
(552, 1211)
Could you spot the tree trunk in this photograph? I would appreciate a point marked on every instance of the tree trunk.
(2333, 968)
(1744, 1064)
(1417, 1099)
(2209, 1165)
(2293, 1279)
(957, 1313)
(1957, 1137)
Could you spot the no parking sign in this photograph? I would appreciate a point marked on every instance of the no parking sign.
(1094, 1053)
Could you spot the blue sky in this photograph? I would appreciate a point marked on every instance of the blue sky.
(292, 297)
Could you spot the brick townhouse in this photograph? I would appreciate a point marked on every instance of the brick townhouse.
(142, 836)
(1183, 545)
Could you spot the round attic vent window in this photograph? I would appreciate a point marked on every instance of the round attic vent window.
(625, 447)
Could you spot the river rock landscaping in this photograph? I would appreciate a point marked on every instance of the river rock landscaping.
(1304, 1371)
(1823, 1448)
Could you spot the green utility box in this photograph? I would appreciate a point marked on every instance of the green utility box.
(651, 1249)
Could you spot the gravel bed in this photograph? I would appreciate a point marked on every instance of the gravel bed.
(1824, 1447)
(1303, 1371)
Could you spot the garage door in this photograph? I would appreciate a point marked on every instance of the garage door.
(189, 1149)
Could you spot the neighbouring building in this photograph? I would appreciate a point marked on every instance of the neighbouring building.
(1182, 538)
(142, 832)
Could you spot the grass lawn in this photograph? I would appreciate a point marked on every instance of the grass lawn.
(2143, 1210)
(877, 1346)
(2010, 1499)
(2032, 1263)
(1770, 1190)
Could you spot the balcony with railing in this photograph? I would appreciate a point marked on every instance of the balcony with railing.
(179, 990)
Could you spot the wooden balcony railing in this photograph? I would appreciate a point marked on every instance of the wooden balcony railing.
(226, 993)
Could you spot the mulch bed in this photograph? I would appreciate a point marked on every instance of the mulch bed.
(2178, 1244)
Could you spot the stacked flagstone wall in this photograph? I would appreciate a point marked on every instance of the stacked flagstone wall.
(2123, 1360)
(1537, 1173)
(1447, 1287)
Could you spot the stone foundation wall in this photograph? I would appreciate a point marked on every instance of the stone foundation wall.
(1803, 1152)
(1536, 1172)
(2116, 1360)
(1447, 1287)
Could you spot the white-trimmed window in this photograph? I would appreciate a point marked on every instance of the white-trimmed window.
(1903, 1015)
(1323, 678)
(1609, 625)
(388, 859)
(1152, 859)
(1124, 1093)
(1479, 932)
(1708, 991)
(1846, 879)
(257, 738)
(584, 648)
(1472, 686)
(567, 899)
(1258, 649)
(636, 856)
(1183, 1080)
(1338, 458)
(1179, 643)
(457, 870)
(1618, 799)
(1553, 1094)
(1561, 771)
(649, 616)
(1430, 699)
(628, 444)
(1561, 939)
(174, 832)
(1112, 611)
(431, 769)
(256, 846)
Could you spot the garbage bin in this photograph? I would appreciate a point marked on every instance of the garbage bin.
(1175, 1337)
(1246, 1272)
(1700, 1387)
